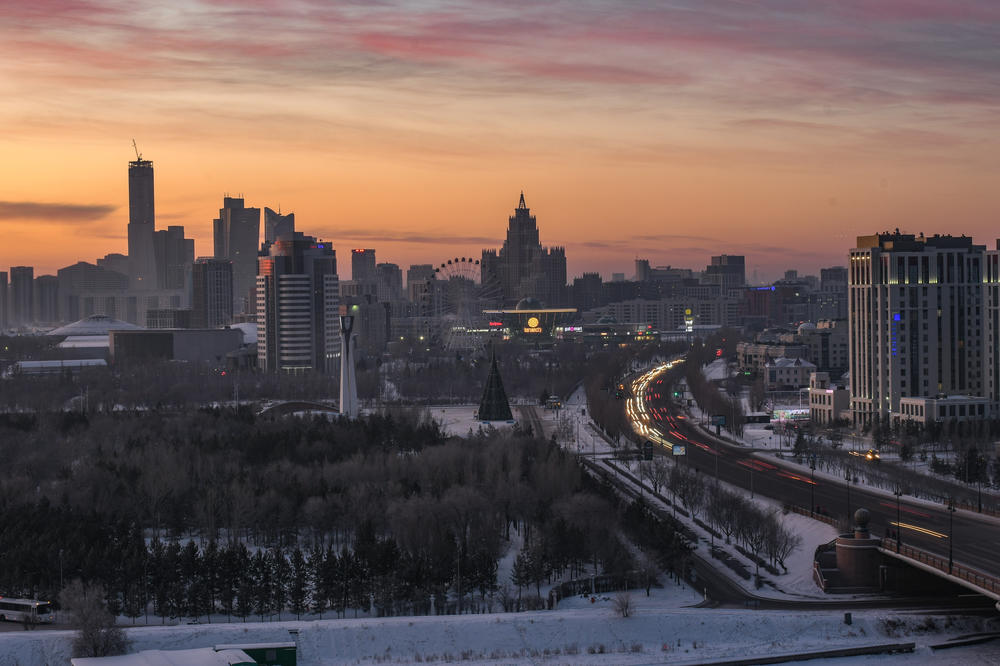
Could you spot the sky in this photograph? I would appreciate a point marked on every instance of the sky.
(670, 131)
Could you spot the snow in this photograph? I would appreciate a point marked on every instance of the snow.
(578, 633)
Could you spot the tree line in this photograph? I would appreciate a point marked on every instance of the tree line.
(384, 510)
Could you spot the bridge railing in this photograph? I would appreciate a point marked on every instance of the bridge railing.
(981, 580)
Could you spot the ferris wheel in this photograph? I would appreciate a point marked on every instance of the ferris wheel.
(456, 297)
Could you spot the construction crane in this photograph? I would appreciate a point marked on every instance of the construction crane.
(138, 155)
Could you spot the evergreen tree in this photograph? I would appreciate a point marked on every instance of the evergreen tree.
(297, 583)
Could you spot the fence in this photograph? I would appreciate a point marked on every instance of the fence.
(985, 582)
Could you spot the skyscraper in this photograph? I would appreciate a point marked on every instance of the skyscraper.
(298, 299)
(211, 293)
(4, 309)
(915, 313)
(22, 293)
(363, 265)
(174, 256)
(390, 282)
(522, 267)
(236, 236)
(277, 225)
(47, 299)
(141, 225)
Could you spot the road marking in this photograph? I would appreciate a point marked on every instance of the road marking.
(917, 528)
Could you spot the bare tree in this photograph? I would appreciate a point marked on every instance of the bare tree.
(97, 635)
(623, 604)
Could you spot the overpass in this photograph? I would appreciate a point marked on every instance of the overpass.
(943, 567)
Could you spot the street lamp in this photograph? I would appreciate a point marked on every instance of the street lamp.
(951, 532)
(812, 486)
(898, 492)
(847, 478)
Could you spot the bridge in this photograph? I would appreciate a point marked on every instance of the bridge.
(973, 579)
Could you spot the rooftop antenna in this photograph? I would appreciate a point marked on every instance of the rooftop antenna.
(138, 155)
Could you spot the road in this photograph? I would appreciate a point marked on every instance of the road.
(975, 539)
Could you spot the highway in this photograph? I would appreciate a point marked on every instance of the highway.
(976, 539)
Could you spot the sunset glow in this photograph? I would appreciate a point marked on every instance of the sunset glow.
(669, 131)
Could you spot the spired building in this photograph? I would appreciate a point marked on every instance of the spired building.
(917, 321)
(236, 235)
(298, 299)
(522, 267)
(277, 225)
(141, 225)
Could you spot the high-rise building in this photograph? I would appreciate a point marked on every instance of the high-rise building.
(141, 225)
(277, 225)
(522, 267)
(114, 262)
(915, 321)
(22, 295)
(211, 293)
(174, 256)
(47, 299)
(587, 291)
(236, 236)
(4, 309)
(298, 300)
(727, 271)
(417, 278)
(363, 265)
(390, 282)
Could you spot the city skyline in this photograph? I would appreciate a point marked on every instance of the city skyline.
(756, 130)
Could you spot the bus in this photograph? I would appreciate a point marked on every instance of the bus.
(26, 610)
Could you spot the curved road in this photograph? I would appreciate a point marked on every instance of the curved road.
(976, 538)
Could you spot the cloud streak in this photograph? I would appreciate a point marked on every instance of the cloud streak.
(56, 212)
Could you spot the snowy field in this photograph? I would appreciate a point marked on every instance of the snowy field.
(579, 633)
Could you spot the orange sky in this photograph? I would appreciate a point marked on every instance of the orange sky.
(671, 132)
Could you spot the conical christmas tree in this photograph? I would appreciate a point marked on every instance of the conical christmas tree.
(494, 405)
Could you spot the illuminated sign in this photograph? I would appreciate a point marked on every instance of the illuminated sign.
(532, 322)
(532, 329)
(496, 323)
(790, 415)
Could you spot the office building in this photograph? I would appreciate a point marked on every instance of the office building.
(418, 276)
(727, 271)
(277, 225)
(114, 262)
(236, 237)
(4, 311)
(211, 293)
(22, 295)
(363, 265)
(141, 225)
(522, 267)
(916, 321)
(298, 299)
(389, 278)
(174, 256)
(47, 299)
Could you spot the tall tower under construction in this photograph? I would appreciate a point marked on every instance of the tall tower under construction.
(141, 224)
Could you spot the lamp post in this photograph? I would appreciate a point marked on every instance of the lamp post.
(812, 486)
(951, 532)
(847, 478)
(898, 492)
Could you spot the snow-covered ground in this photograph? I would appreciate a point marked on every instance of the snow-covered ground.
(578, 633)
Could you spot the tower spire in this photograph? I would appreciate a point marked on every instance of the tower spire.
(521, 203)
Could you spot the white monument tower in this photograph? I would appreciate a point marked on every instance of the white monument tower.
(348, 383)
